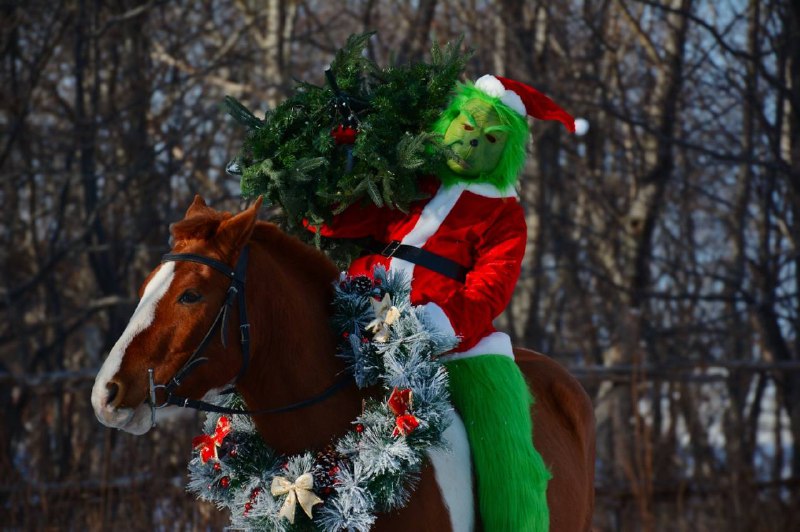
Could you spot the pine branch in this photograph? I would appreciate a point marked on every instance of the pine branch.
(240, 113)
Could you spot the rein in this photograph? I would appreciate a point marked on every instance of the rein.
(235, 291)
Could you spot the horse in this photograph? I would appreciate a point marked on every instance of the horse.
(288, 293)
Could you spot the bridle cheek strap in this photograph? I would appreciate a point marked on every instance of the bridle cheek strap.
(238, 277)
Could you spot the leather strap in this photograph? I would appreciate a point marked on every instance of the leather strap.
(195, 404)
(420, 257)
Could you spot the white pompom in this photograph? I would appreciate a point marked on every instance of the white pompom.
(490, 85)
(581, 126)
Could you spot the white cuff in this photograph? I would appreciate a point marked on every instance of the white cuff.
(438, 318)
(497, 343)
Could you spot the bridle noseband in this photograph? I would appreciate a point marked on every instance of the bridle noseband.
(235, 291)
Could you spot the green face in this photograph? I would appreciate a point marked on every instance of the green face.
(478, 137)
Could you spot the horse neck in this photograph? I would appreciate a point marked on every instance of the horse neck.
(289, 295)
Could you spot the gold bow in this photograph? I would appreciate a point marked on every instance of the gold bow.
(297, 491)
(385, 315)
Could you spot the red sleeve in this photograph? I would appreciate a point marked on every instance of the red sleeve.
(490, 285)
(356, 221)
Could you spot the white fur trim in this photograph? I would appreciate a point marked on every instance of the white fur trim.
(452, 467)
(431, 218)
(142, 318)
(490, 85)
(490, 191)
(497, 343)
(581, 126)
(438, 318)
(512, 99)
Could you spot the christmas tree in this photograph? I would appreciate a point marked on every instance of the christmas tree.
(363, 136)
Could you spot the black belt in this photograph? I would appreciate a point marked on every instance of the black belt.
(420, 257)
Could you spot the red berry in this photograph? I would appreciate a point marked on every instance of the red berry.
(345, 335)
(256, 492)
(233, 453)
(248, 506)
(364, 340)
(217, 466)
(334, 470)
(359, 428)
(225, 482)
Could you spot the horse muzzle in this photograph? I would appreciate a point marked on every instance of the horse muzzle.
(106, 396)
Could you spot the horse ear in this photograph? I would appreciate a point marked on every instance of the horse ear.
(197, 207)
(234, 232)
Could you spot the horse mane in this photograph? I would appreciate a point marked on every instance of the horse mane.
(301, 257)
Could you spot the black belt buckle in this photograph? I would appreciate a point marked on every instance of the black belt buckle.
(391, 248)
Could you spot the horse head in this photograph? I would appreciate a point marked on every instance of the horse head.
(178, 305)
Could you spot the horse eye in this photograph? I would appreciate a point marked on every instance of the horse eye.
(189, 297)
(491, 138)
(468, 127)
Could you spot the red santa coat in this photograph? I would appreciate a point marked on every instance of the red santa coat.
(475, 225)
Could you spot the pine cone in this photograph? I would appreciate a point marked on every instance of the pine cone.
(326, 465)
(362, 284)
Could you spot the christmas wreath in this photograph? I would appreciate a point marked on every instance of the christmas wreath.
(373, 467)
(364, 135)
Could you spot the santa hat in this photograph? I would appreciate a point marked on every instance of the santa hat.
(527, 101)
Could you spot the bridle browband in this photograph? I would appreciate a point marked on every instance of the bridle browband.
(235, 291)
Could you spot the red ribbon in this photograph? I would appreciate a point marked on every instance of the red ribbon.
(208, 444)
(400, 402)
(405, 425)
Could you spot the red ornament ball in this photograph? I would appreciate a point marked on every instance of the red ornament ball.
(225, 482)
(344, 135)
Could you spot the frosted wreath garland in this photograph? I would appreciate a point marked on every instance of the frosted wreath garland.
(371, 469)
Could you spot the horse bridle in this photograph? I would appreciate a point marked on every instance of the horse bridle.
(236, 291)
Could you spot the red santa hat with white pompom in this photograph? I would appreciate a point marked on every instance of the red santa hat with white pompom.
(527, 101)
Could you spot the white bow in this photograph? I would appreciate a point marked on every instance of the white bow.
(297, 491)
(385, 315)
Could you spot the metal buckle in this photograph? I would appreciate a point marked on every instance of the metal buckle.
(391, 248)
(153, 405)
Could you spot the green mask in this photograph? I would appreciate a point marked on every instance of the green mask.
(478, 138)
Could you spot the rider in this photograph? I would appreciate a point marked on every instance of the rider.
(462, 248)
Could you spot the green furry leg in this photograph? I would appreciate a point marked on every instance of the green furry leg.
(493, 399)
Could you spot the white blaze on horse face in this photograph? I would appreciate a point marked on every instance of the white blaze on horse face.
(453, 471)
(130, 419)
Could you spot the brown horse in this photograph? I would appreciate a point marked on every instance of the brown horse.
(288, 294)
